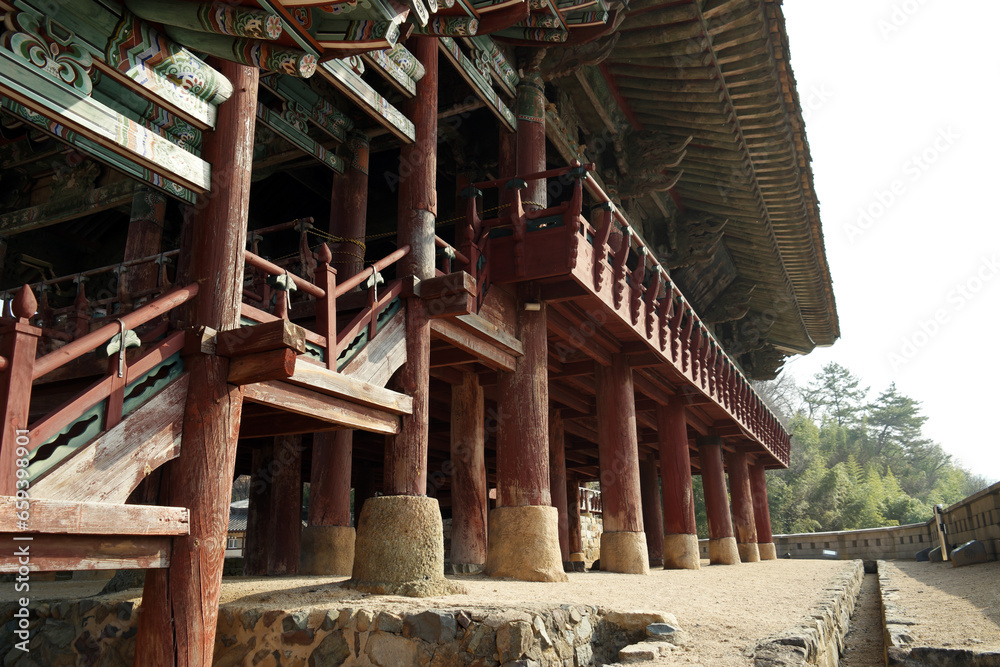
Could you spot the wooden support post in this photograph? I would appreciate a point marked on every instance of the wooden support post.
(680, 538)
(761, 512)
(575, 531)
(145, 234)
(652, 510)
(623, 542)
(286, 513)
(468, 482)
(721, 543)
(742, 506)
(524, 527)
(18, 343)
(260, 507)
(181, 604)
(401, 533)
(365, 488)
(557, 480)
(349, 209)
(531, 137)
(328, 541)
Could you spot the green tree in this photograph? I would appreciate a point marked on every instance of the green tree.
(836, 393)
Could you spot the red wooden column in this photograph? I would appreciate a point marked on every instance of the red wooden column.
(145, 234)
(468, 482)
(557, 480)
(328, 541)
(283, 548)
(259, 516)
(761, 512)
(652, 510)
(623, 542)
(524, 527)
(721, 543)
(680, 538)
(181, 605)
(400, 542)
(742, 505)
(531, 137)
(574, 529)
(18, 345)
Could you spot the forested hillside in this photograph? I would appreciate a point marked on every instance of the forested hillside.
(856, 462)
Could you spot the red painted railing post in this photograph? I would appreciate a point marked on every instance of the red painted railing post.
(326, 306)
(18, 342)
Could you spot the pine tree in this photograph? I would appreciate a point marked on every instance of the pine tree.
(835, 393)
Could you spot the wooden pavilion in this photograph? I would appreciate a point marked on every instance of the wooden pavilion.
(421, 249)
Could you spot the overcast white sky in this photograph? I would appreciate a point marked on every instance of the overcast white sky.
(902, 95)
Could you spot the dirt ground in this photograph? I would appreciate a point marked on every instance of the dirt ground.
(951, 607)
(724, 609)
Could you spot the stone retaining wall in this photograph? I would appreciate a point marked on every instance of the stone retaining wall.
(819, 640)
(975, 518)
(87, 632)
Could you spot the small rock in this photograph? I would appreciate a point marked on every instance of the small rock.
(363, 620)
(970, 553)
(295, 621)
(513, 640)
(539, 627)
(637, 653)
(330, 620)
(434, 627)
(333, 650)
(464, 619)
(387, 622)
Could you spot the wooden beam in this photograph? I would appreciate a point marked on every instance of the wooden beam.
(309, 375)
(247, 340)
(86, 552)
(459, 337)
(271, 365)
(67, 517)
(61, 209)
(302, 401)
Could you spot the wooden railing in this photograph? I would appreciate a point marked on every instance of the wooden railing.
(21, 369)
(324, 291)
(668, 322)
(590, 500)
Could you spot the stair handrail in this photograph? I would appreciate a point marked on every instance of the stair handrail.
(77, 348)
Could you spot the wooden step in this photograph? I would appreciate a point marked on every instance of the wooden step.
(53, 535)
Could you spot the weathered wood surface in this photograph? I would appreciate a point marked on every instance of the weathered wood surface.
(262, 366)
(523, 416)
(482, 349)
(675, 469)
(744, 526)
(713, 477)
(330, 479)
(62, 209)
(247, 340)
(468, 482)
(761, 511)
(618, 444)
(557, 478)
(652, 508)
(108, 469)
(286, 514)
(17, 345)
(177, 625)
(345, 387)
(260, 507)
(574, 531)
(71, 517)
(382, 356)
(86, 552)
(405, 470)
(328, 408)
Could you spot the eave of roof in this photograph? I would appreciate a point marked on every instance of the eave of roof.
(719, 71)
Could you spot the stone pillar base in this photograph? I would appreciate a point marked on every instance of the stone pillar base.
(748, 552)
(624, 552)
(680, 552)
(523, 543)
(723, 551)
(767, 551)
(400, 548)
(577, 557)
(327, 550)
